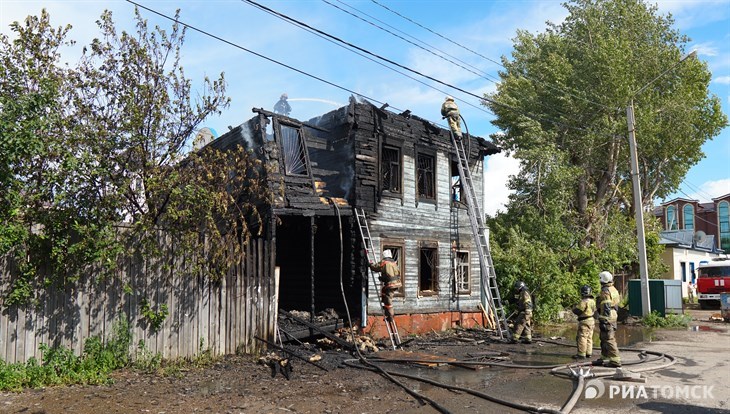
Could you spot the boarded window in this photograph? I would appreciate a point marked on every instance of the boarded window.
(461, 270)
(426, 177)
(390, 167)
(295, 158)
(428, 271)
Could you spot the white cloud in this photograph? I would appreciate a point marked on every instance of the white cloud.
(498, 169)
(723, 80)
(705, 49)
(714, 189)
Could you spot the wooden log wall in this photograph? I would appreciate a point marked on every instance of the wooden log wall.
(220, 316)
(405, 219)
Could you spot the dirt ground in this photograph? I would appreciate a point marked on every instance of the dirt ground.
(240, 384)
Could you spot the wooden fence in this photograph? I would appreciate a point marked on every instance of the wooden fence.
(220, 316)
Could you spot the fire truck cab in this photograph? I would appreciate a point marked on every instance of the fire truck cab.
(713, 278)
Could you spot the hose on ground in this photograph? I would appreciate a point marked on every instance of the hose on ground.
(518, 406)
(420, 398)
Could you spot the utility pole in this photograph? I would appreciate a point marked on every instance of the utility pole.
(638, 204)
(639, 212)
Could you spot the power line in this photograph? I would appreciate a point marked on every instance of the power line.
(490, 59)
(461, 63)
(469, 93)
(237, 46)
(345, 46)
(474, 70)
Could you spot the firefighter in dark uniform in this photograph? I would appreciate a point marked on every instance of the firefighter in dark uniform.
(282, 106)
(608, 302)
(390, 277)
(523, 323)
(585, 310)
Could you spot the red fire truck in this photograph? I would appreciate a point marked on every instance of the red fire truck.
(713, 278)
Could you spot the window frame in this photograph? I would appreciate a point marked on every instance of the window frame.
(691, 215)
(434, 289)
(671, 224)
(433, 181)
(399, 151)
(304, 151)
(723, 219)
(467, 266)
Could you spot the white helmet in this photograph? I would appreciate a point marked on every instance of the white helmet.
(387, 254)
(449, 98)
(605, 277)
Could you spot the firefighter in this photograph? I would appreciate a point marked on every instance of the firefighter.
(608, 302)
(450, 110)
(523, 323)
(283, 107)
(390, 277)
(584, 310)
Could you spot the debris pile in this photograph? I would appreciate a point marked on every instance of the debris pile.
(277, 364)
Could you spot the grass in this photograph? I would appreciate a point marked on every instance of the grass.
(60, 366)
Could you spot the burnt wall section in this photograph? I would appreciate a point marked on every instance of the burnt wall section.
(424, 227)
(331, 153)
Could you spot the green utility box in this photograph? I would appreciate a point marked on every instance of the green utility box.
(665, 296)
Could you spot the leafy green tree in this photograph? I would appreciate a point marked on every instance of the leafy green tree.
(561, 105)
(94, 157)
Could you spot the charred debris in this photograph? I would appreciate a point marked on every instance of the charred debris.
(400, 170)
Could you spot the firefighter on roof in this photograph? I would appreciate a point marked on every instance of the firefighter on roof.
(390, 277)
(282, 106)
(450, 110)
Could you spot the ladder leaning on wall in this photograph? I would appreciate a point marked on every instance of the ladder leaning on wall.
(367, 242)
(479, 231)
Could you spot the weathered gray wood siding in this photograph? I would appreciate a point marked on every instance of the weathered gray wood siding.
(222, 316)
(404, 218)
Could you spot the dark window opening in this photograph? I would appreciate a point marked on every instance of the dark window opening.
(397, 252)
(428, 271)
(461, 269)
(426, 177)
(295, 159)
(457, 191)
(391, 169)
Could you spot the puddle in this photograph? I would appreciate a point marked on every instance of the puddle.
(626, 335)
(705, 328)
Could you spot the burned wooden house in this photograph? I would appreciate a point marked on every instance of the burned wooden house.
(401, 171)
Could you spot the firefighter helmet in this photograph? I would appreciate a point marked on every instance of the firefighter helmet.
(387, 254)
(519, 285)
(585, 290)
(605, 277)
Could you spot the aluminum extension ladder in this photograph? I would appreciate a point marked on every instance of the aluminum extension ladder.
(479, 230)
(367, 242)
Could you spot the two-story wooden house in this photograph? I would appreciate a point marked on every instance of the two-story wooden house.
(401, 170)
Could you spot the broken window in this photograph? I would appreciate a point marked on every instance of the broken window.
(461, 270)
(428, 270)
(397, 251)
(426, 177)
(292, 145)
(390, 169)
(457, 190)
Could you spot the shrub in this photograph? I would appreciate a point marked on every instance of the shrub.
(655, 320)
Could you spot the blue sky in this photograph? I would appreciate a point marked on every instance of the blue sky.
(486, 27)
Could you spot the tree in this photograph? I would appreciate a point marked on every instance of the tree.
(94, 156)
(561, 106)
